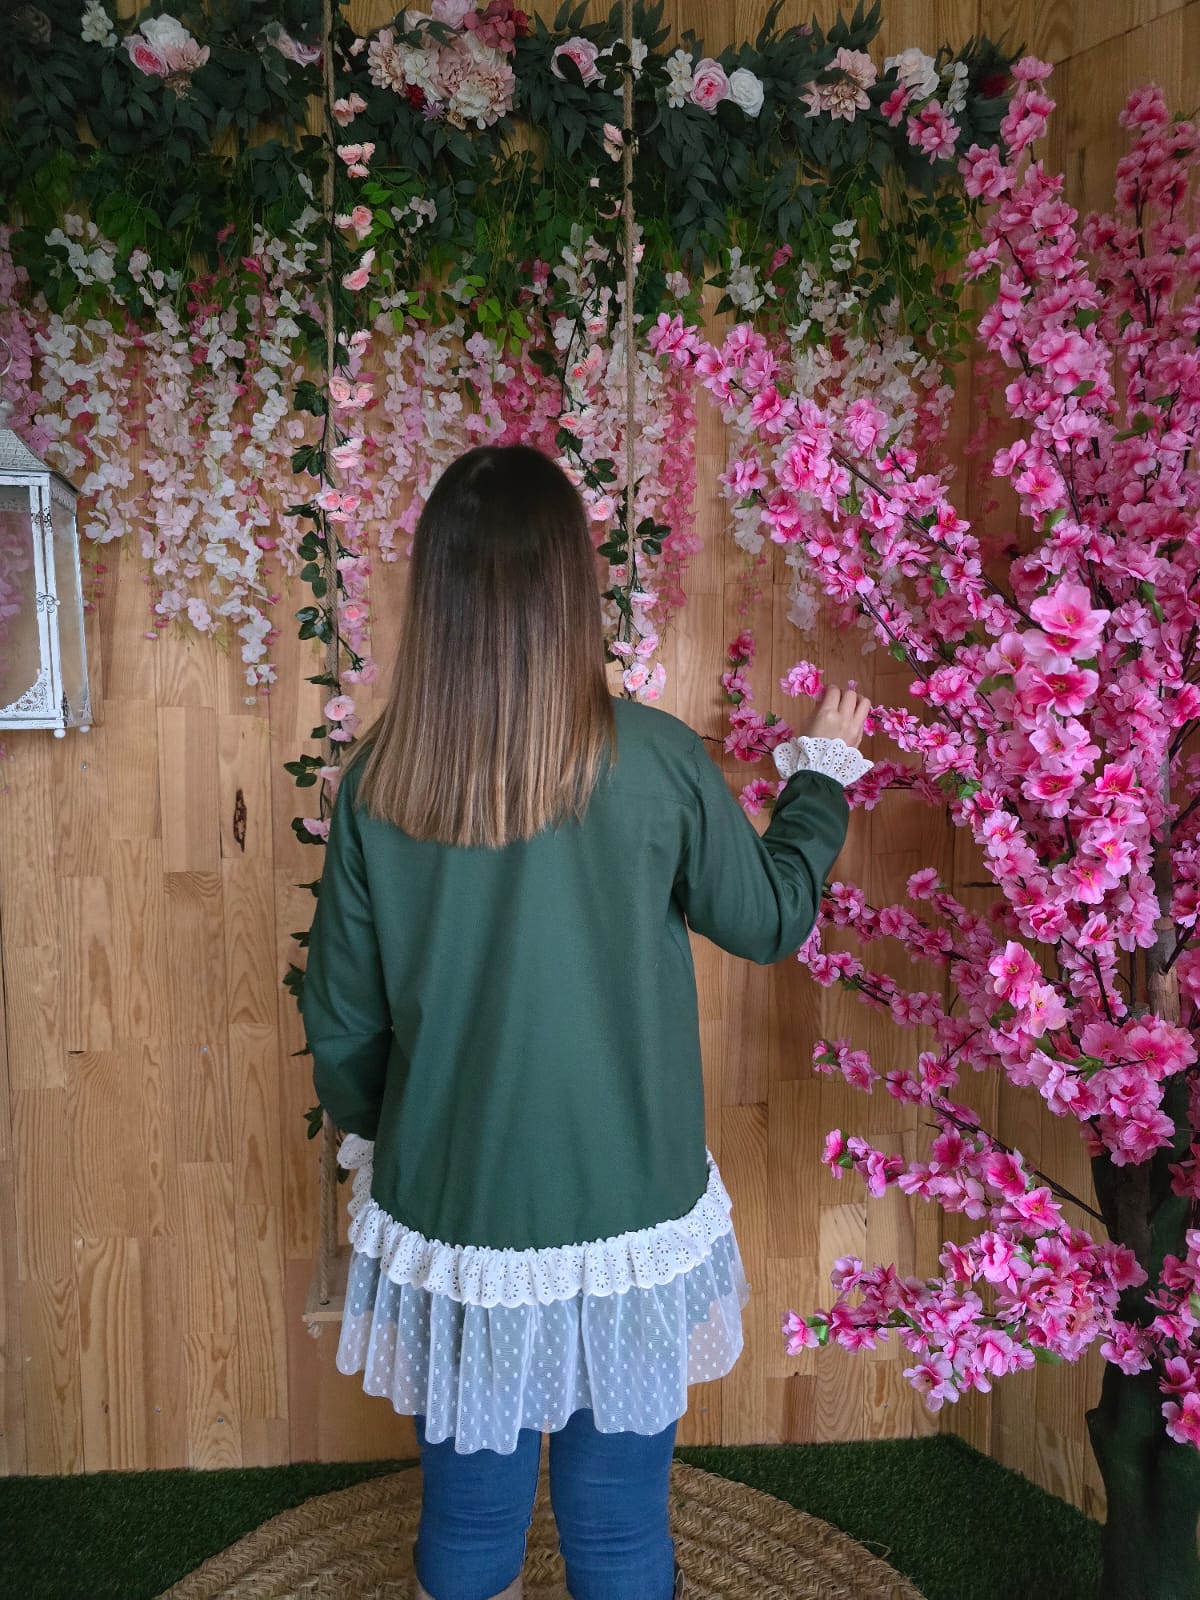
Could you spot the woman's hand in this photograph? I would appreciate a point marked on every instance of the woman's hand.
(840, 715)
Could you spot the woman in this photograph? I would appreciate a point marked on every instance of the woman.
(502, 1013)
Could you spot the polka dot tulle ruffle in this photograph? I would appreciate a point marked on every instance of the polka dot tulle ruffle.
(479, 1374)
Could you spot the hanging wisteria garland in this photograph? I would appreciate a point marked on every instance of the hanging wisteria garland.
(458, 304)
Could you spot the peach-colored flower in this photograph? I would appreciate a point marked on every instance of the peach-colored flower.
(848, 95)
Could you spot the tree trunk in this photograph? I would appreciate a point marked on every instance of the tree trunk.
(1148, 1546)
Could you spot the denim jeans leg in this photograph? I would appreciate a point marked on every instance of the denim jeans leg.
(610, 1497)
(475, 1516)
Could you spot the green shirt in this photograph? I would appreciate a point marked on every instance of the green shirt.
(517, 1028)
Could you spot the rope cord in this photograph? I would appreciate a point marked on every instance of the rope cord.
(327, 1214)
(630, 285)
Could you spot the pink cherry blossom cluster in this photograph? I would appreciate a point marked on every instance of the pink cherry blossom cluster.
(1051, 713)
(824, 355)
(751, 733)
(1028, 1286)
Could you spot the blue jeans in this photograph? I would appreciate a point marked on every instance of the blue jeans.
(609, 1492)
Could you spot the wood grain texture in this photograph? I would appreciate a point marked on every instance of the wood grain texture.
(157, 1191)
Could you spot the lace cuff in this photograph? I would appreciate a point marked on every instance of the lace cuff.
(833, 757)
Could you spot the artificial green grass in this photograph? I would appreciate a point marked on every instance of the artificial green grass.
(960, 1526)
(130, 1535)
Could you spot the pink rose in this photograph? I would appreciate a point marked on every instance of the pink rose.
(583, 53)
(710, 84)
(361, 274)
(345, 111)
(145, 57)
(339, 708)
(304, 55)
(453, 13)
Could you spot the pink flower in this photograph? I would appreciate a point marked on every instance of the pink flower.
(361, 275)
(339, 708)
(345, 111)
(896, 104)
(798, 1334)
(453, 13)
(710, 84)
(1183, 1421)
(582, 53)
(357, 158)
(804, 679)
(1068, 619)
(847, 95)
(931, 131)
(756, 794)
(1058, 684)
(304, 55)
(1014, 970)
(145, 57)
(933, 1378)
(1005, 1175)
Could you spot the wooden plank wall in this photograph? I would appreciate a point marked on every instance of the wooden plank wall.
(157, 1193)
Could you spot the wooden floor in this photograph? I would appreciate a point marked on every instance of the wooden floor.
(157, 1191)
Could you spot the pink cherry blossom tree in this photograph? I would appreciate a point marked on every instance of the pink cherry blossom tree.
(1056, 696)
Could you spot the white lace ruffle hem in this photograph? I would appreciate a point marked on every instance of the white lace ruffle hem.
(483, 1343)
(474, 1275)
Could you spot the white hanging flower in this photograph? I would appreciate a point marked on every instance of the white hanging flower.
(679, 78)
(96, 25)
(956, 94)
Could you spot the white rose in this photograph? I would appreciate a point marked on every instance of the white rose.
(165, 32)
(746, 90)
(916, 71)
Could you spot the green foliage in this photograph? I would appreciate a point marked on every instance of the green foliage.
(186, 177)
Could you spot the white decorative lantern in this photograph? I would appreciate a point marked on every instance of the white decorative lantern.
(43, 655)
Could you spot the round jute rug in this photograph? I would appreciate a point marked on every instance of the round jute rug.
(732, 1542)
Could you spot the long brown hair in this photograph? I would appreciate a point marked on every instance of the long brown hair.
(500, 720)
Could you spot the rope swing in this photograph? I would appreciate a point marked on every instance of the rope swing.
(327, 1291)
(630, 276)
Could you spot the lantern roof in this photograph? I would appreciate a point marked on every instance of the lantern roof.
(17, 458)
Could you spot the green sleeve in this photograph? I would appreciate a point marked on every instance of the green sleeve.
(755, 897)
(344, 1005)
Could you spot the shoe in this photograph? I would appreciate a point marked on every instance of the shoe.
(514, 1591)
